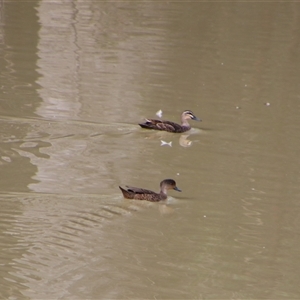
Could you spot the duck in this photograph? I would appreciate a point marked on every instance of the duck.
(143, 194)
(171, 126)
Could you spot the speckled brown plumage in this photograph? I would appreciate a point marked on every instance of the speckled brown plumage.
(143, 194)
(171, 126)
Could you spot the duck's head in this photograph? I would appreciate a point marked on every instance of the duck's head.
(188, 115)
(169, 184)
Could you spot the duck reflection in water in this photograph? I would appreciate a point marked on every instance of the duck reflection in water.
(143, 194)
(183, 141)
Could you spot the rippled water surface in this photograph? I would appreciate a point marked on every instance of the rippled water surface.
(75, 80)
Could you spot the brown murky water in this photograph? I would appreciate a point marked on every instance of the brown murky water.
(76, 78)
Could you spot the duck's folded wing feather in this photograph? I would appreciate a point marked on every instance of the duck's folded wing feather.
(161, 125)
(139, 190)
(168, 126)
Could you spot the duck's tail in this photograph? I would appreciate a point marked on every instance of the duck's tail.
(126, 194)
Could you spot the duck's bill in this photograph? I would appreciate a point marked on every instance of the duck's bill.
(177, 189)
(196, 119)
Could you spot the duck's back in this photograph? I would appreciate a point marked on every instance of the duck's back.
(142, 194)
(138, 190)
(163, 125)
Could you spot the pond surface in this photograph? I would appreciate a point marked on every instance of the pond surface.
(77, 78)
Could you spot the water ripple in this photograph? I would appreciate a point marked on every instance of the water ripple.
(48, 232)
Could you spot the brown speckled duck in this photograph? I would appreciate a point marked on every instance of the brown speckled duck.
(142, 194)
(171, 126)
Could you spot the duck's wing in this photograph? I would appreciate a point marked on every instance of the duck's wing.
(161, 125)
(149, 124)
(136, 190)
(169, 126)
